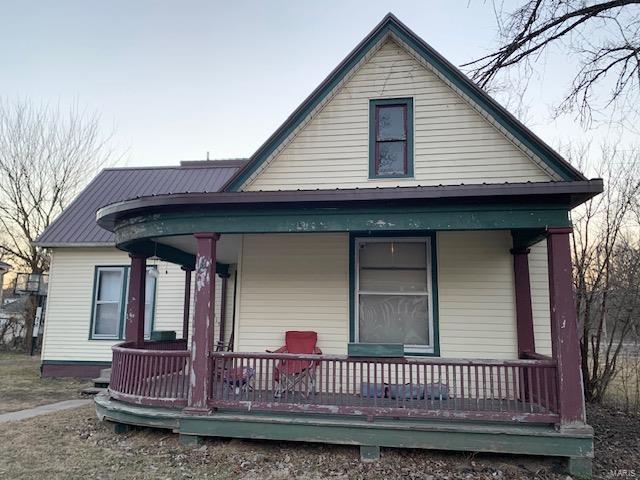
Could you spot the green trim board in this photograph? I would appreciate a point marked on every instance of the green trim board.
(454, 435)
(391, 25)
(408, 103)
(90, 363)
(392, 350)
(374, 349)
(384, 217)
(124, 289)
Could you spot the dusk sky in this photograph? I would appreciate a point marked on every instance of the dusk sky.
(178, 79)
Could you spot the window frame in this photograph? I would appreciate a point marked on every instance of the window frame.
(374, 149)
(121, 303)
(356, 239)
(124, 295)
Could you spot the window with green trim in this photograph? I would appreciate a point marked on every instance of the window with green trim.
(391, 138)
(110, 302)
(394, 300)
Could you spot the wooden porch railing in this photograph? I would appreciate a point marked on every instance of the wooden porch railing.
(156, 374)
(513, 390)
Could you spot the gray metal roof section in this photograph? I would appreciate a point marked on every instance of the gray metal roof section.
(76, 225)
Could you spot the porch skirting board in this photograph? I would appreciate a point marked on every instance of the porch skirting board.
(71, 368)
(574, 444)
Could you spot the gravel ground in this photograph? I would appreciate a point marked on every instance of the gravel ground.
(75, 445)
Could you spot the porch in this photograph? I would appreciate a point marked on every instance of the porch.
(405, 387)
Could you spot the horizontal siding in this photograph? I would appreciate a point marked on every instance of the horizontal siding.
(68, 315)
(476, 295)
(294, 282)
(452, 142)
(539, 277)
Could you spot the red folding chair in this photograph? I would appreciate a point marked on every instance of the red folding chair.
(297, 375)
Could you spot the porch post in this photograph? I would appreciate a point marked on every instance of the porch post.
(134, 328)
(202, 332)
(524, 311)
(187, 302)
(564, 327)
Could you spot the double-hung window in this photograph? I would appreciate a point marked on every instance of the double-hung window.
(391, 138)
(110, 302)
(394, 293)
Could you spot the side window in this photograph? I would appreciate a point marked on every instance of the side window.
(391, 138)
(108, 302)
(109, 307)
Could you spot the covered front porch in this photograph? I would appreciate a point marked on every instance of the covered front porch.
(219, 380)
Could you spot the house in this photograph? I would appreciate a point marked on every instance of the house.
(4, 268)
(78, 337)
(401, 218)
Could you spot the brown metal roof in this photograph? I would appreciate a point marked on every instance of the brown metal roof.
(76, 225)
(570, 194)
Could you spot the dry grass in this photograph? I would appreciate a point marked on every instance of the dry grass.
(74, 445)
(21, 386)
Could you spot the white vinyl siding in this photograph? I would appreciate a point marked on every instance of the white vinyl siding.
(453, 143)
(539, 278)
(293, 282)
(476, 295)
(68, 314)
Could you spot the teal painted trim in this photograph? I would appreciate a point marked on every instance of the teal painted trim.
(451, 434)
(434, 297)
(299, 115)
(352, 287)
(434, 284)
(408, 102)
(299, 220)
(452, 74)
(124, 297)
(393, 350)
(123, 301)
(527, 237)
(484, 101)
(170, 254)
(75, 362)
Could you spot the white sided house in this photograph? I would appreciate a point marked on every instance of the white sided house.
(399, 216)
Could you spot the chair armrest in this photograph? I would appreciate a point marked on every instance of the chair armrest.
(280, 350)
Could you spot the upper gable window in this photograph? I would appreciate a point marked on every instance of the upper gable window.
(391, 138)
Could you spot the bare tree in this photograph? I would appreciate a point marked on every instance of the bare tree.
(46, 155)
(603, 36)
(606, 260)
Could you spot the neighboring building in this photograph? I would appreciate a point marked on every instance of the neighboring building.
(401, 214)
(4, 268)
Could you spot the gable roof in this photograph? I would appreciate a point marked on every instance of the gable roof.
(391, 26)
(76, 225)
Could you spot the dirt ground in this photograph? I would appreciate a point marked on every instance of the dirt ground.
(21, 386)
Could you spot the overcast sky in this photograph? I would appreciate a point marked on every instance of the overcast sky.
(176, 79)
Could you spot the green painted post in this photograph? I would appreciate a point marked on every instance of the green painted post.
(190, 440)
(369, 453)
